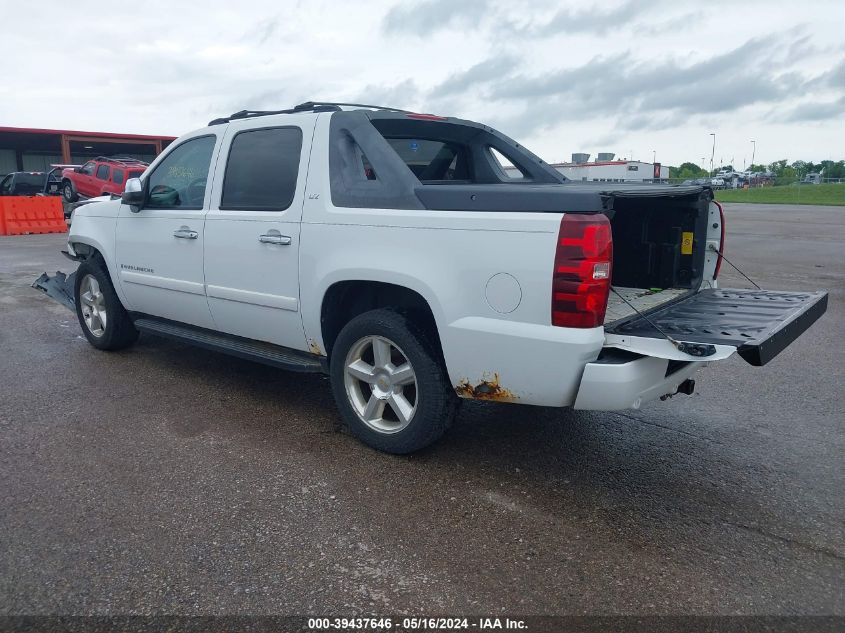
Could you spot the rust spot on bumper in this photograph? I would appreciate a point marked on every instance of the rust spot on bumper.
(487, 389)
(314, 348)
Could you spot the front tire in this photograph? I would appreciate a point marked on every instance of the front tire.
(68, 192)
(389, 383)
(103, 319)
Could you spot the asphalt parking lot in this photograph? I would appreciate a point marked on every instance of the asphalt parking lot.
(167, 479)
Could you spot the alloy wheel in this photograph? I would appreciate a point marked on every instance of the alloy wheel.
(93, 305)
(381, 384)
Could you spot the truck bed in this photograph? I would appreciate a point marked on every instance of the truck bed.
(642, 299)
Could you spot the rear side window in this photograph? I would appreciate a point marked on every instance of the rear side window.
(27, 184)
(103, 172)
(506, 167)
(35, 179)
(261, 170)
(432, 160)
(117, 177)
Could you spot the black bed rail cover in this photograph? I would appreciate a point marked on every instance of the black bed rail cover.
(571, 196)
(759, 323)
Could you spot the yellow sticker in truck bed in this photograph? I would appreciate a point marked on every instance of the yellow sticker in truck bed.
(686, 243)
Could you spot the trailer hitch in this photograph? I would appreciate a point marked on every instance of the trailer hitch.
(687, 388)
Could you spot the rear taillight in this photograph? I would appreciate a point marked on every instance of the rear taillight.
(581, 277)
(721, 240)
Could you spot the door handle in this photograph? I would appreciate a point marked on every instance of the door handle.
(269, 238)
(185, 234)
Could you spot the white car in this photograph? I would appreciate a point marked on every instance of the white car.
(392, 251)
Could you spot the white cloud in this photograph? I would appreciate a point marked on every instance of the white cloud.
(625, 77)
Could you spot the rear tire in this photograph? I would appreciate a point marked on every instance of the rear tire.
(103, 319)
(68, 192)
(389, 383)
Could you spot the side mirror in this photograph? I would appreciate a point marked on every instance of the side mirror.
(133, 194)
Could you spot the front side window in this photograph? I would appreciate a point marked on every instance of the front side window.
(103, 172)
(261, 170)
(6, 185)
(179, 181)
(117, 177)
(88, 168)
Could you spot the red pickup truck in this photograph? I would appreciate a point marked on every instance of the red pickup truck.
(100, 177)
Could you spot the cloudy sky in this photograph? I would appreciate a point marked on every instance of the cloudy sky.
(620, 76)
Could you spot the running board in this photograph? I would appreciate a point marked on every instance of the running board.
(258, 351)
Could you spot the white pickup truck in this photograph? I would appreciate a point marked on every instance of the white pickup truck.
(417, 259)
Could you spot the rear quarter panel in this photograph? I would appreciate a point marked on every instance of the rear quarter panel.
(449, 257)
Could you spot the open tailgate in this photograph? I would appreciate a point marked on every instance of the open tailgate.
(758, 323)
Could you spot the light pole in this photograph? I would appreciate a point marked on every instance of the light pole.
(713, 151)
(653, 156)
(702, 163)
(753, 151)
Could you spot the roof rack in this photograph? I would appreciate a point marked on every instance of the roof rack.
(126, 157)
(308, 106)
(124, 160)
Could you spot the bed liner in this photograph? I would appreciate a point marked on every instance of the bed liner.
(759, 323)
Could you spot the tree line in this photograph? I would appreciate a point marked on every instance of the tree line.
(782, 169)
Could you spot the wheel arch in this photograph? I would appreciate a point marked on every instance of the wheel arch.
(344, 300)
(87, 247)
(85, 251)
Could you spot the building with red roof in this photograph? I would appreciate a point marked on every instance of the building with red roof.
(35, 149)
